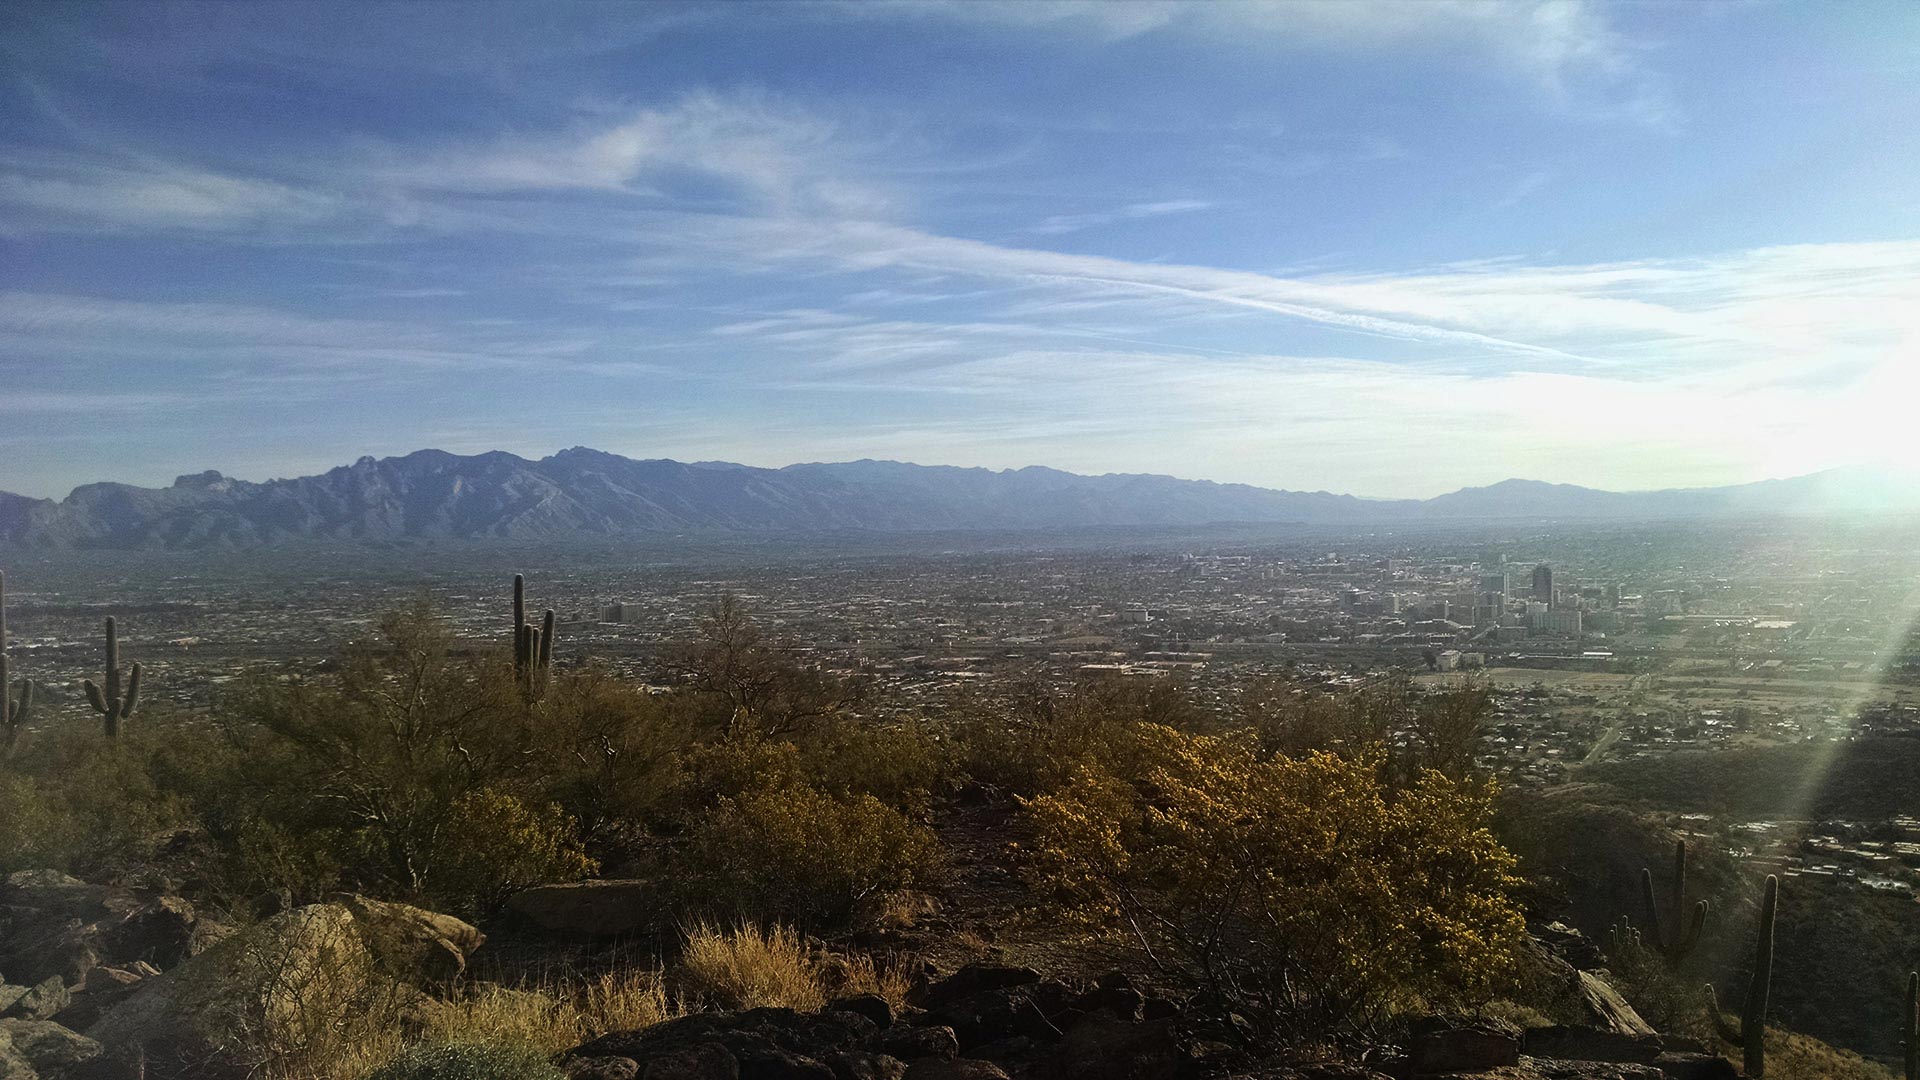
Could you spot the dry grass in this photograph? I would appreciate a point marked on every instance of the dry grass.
(845, 976)
(547, 1018)
(747, 968)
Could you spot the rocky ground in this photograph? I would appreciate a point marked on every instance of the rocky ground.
(129, 983)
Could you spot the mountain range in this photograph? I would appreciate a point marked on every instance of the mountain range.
(583, 494)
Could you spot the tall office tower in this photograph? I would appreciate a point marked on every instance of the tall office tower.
(1543, 583)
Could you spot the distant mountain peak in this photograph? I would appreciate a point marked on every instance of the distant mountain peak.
(580, 492)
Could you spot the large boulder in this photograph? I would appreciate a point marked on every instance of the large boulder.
(42, 1002)
(54, 924)
(314, 976)
(600, 908)
(53, 1051)
(12, 1065)
(418, 947)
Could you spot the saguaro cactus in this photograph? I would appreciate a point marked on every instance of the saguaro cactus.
(13, 714)
(1677, 939)
(109, 703)
(1751, 1033)
(532, 645)
(1911, 1025)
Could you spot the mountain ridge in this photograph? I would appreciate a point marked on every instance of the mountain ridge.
(579, 493)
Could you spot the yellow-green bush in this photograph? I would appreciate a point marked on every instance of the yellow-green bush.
(1319, 898)
(902, 767)
(496, 845)
(792, 851)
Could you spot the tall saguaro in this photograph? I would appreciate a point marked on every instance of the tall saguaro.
(1674, 937)
(532, 645)
(1751, 1032)
(13, 714)
(108, 702)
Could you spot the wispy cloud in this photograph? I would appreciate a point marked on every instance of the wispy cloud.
(1066, 223)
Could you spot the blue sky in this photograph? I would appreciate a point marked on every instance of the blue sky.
(1387, 248)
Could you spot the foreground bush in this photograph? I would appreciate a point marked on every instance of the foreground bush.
(1311, 896)
(794, 852)
(468, 1061)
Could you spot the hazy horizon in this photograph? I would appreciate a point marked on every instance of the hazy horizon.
(1373, 248)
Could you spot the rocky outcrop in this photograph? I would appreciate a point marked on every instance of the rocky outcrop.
(291, 979)
(53, 925)
(609, 907)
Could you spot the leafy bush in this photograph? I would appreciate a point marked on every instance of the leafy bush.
(468, 1061)
(497, 845)
(1310, 894)
(791, 851)
(900, 766)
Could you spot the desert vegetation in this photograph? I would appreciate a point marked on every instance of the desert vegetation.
(1304, 870)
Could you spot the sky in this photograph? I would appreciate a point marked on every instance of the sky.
(1387, 248)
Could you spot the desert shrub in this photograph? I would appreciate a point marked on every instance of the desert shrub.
(729, 768)
(791, 851)
(496, 845)
(608, 751)
(468, 1061)
(35, 830)
(1302, 891)
(751, 687)
(748, 968)
(900, 766)
(1045, 737)
(86, 804)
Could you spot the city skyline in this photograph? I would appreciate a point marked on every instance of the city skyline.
(1384, 249)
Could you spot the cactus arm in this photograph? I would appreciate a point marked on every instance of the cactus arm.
(1753, 1020)
(520, 655)
(1729, 1032)
(112, 665)
(545, 659)
(1694, 928)
(1654, 930)
(94, 697)
(133, 693)
(1911, 1021)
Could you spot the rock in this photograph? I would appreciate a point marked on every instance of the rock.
(1607, 1008)
(603, 1068)
(1589, 1044)
(108, 978)
(700, 1061)
(857, 1065)
(160, 932)
(765, 1044)
(1114, 980)
(51, 890)
(44, 1001)
(1103, 1047)
(53, 1051)
(599, 908)
(954, 1069)
(1475, 1046)
(973, 979)
(416, 946)
(276, 980)
(1531, 1068)
(1569, 944)
(1158, 1008)
(872, 1006)
(9, 995)
(912, 1043)
(1122, 1002)
(12, 1065)
(1695, 1066)
(994, 1015)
